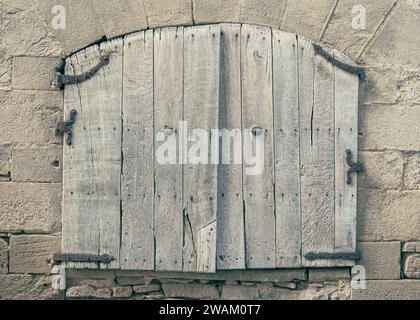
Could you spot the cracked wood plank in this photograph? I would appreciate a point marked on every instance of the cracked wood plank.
(346, 138)
(287, 154)
(92, 165)
(257, 112)
(316, 88)
(138, 245)
(168, 104)
(201, 111)
(231, 228)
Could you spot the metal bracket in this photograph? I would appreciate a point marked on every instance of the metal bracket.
(78, 257)
(67, 127)
(354, 167)
(339, 64)
(63, 80)
(311, 256)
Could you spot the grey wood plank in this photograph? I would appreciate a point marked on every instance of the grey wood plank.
(91, 200)
(316, 87)
(168, 105)
(80, 230)
(201, 111)
(138, 246)
(257, 112)
(110, 147)
(231, 227)
(287, 150)
(346, 138)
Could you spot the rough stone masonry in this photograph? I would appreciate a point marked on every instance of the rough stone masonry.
(30, 153)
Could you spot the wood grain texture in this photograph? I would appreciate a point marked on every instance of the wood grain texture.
(168, 105)
(231, 228)
(257, 112)
(287, 149)
(138, 246)
(346, 137)
(201, 111)
(317, 154)
(92, 165)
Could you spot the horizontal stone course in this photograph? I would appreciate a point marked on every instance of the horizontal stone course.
(37, 164)
(389, 127)
(382, 260)
(388, 290)
(388, 215)
(30, 207)
(30, 117)
(26, 287)
(34, 73)
(33, 254)
(382, 170)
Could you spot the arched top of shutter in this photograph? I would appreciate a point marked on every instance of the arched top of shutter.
(133, 97)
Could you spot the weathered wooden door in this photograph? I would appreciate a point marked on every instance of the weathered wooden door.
(120, 199)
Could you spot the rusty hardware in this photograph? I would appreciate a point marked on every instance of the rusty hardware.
(63, 79)
(78, 257)
(355, 167)
(67, 127)
(339, 64)
(312, 256)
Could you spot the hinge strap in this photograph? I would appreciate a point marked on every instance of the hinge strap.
(63, 80)
(339, 64)
(311, 256)
(355, 167)
(67, 127)
(82, 258)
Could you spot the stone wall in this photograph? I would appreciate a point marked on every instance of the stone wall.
(30, 153)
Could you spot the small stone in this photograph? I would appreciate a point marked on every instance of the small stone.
(4, 257)
(412, 266)
(122, 292)
(289, 285)
(411, 247)
(134, 281)
(147, 288)
(190, 291)
(240, 293)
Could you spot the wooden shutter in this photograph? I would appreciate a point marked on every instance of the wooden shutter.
(120, 201)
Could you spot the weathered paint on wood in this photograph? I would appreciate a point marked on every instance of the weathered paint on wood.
(201, 111)
(137, 187)
(287, 150)
(91, 195)
(346, 126)
(231, 227)
(168, 105)
(318, 157)
(257, 106)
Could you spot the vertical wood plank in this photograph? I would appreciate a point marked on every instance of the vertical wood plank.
(80, 219)
(91, 201)
(138, 245)
(231, 227)
(201, 111)
(346, 126)
(169, 66)
(317, 154)
(287, 155)
(257, 106)
(110, 146)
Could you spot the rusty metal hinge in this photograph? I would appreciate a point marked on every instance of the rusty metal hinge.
(63, 79)
(67, 127)
(355, 167)
(312, 256)
(82, 258)
(340, 64)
